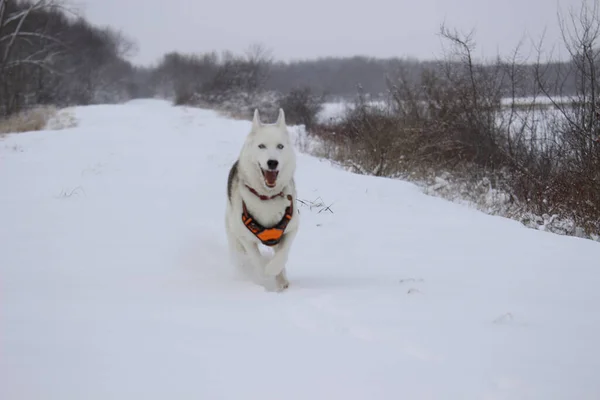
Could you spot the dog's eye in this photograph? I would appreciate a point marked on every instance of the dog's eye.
(261, 146)
(280, 146)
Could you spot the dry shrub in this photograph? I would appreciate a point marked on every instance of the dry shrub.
(368, 139)
(33, 119)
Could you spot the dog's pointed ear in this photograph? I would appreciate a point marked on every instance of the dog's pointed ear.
(281, 119)
(256, 120)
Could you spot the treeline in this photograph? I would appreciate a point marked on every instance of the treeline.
(341, 76)
(336, 77)
(50, 56)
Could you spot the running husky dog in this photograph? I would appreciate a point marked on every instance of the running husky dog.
(261, 200)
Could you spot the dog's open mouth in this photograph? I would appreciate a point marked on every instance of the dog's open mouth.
(270, 177)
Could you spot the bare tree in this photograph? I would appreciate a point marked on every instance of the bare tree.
(258, 68)
(24, 45)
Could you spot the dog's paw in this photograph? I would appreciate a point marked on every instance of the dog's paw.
(276, 285)
(281, 283)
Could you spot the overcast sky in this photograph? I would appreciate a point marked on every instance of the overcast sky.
(312, 28)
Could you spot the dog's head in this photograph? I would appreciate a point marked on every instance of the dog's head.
(268, 156)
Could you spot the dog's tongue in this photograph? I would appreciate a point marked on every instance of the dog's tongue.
(271, 177)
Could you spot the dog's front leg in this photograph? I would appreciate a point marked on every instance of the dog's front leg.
(253, 254)
(276, 265)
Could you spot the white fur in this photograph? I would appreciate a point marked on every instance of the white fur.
(243, 244)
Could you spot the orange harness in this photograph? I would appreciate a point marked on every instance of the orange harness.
(268, 236)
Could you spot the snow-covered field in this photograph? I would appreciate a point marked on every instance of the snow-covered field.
(115, 284)
(333, 110)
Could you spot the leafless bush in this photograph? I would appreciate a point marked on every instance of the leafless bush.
(566, 175)
(368, 139)
(456, 105)
(447, 120)
(184, 96)
(301, 106)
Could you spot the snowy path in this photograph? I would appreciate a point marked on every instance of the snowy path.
(114, 281)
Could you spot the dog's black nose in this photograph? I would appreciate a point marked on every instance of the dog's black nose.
(272, 164)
